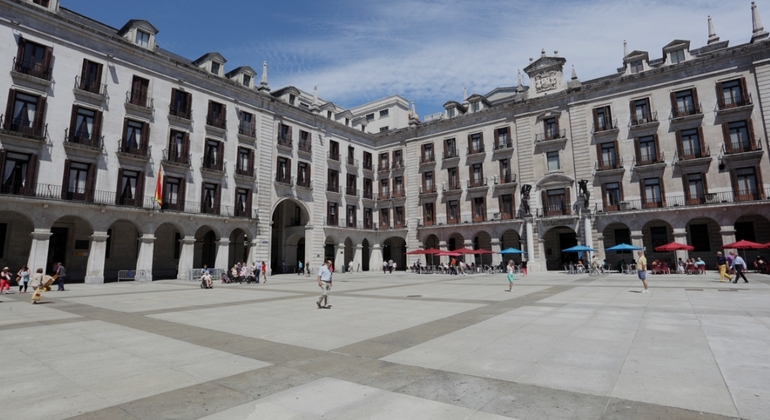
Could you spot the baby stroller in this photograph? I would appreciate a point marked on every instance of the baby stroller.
(226, 278)
(205, 280)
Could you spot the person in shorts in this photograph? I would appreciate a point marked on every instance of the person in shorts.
(641, 270)
(510, 275)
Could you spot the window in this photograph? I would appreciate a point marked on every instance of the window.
(33, 59)
(178, 147)
(139, 90)
(746, 186)
(303, 174)
(284, 135)
(85, 127)
(427, 153)
(350, 185)
(305, 144)
(658, 235)
(647, 150)
(505, 171)
(43, 3)
(242, 202)
(383, 129)
(351, 219)
(283, 173)
(333, 181)
(384, 162)
(699, 237)
(551, 126)
(90, 77)
(210, 198)
(79, 180)
(556, 202)
(174, 193)
(130, 188)
(398, 186)
(216, 116)
(732, 94)
(367, 161)
(136, 136)
(477, 175)
(398, 216)
(453, 211)
(427, 182)
(677, 56)
(142, 39)
(475, 143)
(246, 80)
(603, 119)
(292, 99)
(247, 125)
(181, 104)
(640, 112)
(24, 114)
(213, 155)
(503, 138)
(351, 155)
(245, 164)
(694, 188)
(690, 144)
(453, 179)
(612, 196)
(652, 193)
(368, 218)
(215, 68)
(450, 113)
(19, 172)
(383, 113)
(334, 150)
(450, 148)
(552, 159)
(608, 157)
(368, 188)
(398, 160)
(474, 106)
(637, 66)
(506, 206)
(370, 117)
(739, 136)
(428, 214)
(384, 218)
(684, 103)
(479, 209)
(384, 194)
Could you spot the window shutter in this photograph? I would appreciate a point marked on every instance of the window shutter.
(91, 182)
(620, 187)
(701, 142)
(209, 112)
(174, 103)
(31, 178)
(20, 51)
(47, 60)
(98, 80)
(84, 73)
(446, 147)
(734, 181)
(251, 162)
(223, 115)
(679, 145)
(97, 134)
(568, 207)
(186, 147)
(674, 109)
(217, 198)
(203, 197)
(470, 141)
(744, 91)
(638, 150)
(662, 193)
(695, 100)
(249, 195)
(726, 136)
(544, 199)
(73, 120)
(657, 147)
(596, 119)
(686, 185)
(182, 194)
(220, 153)
(288, 169)
(65, 179)
(124, 144)
(39, 115)
(119, 189)
(720, 94)
(750, 127)
(608, 115)
(643, 192)
(705, 183)
(9, 109)
(605, 203)
(145, 136)
(139, 196)
(188, 102)
(288, 134)
(2, 161)
(758, 174)
(632, 110)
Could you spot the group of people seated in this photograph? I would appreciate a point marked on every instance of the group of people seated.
(761, 265)
(242, 272)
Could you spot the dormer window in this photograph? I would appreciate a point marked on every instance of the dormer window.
(215, 68)
(292, 99)
(450, 113)
(637, 66)
(142, 39)
(677, 56)
(475, 107)
(44, 3)
(370, 117)
(246, 80)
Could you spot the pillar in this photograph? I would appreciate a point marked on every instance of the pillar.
(496, 258)
(186, 254)
(680, 236)
(38, 252)
(223, 255)
(96, 253)
(442, 245)
(588, 232)
(357, 257)
(728, 235)
(339, 259)
(375, 259)
(144, 259)
(532, 264)
(637, 239)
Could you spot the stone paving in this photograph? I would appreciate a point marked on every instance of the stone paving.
(399, 346)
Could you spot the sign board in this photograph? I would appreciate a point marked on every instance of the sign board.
(264, 242)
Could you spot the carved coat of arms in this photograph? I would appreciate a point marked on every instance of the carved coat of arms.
(545, 81)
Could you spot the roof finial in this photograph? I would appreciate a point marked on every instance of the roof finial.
(263, 83)
(625, 49)
(465, 94)
(574, 75)
(315, 95)
(542, 53)
(520, 87)
(758, 31)
(712, 34)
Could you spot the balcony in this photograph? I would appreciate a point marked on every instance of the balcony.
(305, 147)
(179, 114)
(383, 167)
(351, 162)
(333, 156)
(398, 193)
(333, 188)
(212, 164)
(177, 159)
(366, 224)
(284, 143)
(479, 149)
(452, 187)
(90, 89)
(681, 200)
(331, 221)
(650, 159)
(611, 165)
(505, 182)
(244, 172)
(305, 183)
(606, 127)
(368, 194)
(645, 121)
(551, 136)
(730, 105)
(138, 102)
(76, 141)
(427, 159)
(697, 157)
(743, 147)
(552, 210)
(24, 129)
(286, 180)
(133, 151)
(383, 195)
(33, 72)
(351, 192)
(428, 189)
(503, 144)
(748, 195)
(451, 155)
(686, 112)
(247, 130)
(476, 183)
(398, 164)
(368, 165)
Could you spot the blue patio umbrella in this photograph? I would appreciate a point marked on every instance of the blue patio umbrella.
(578, 248)
(623, 247)
(512, 251)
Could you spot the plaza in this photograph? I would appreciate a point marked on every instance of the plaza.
(393, 346)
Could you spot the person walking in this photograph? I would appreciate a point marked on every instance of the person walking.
(23, 278)
(300, 270)
(510, 275)
(307, 268)
(739, 265)
(384, 267)
(264, 272)
(5, 280)
(641, 267)
(325, 283)
(722, 267)
(524, 266)
(38, 281)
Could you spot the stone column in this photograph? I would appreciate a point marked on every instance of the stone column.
(532, 264)
(442, 245)
(144, 259)
(728, 236)
(38, 252)
(375, 259)
(496, 258)
(680, 236)
(339, 259)
(357, 257)
(96, 253)
(637, 239)
(186, 255)
(588, 231)
(223, 254)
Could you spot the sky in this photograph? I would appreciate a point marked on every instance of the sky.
(426, 51)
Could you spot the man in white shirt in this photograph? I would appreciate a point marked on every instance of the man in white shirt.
(325, 283)
(739, 266)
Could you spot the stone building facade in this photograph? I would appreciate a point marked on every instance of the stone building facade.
(118, 155)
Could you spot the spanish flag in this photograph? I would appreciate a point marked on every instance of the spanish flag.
(159, 188)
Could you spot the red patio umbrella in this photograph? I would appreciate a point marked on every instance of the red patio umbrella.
(465, 251)
(448, 254)
(432, 251)
(674, 246)
(744, 244)
(416, 252)
(483, 251)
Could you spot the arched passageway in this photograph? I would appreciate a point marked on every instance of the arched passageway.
(287, 235)
(394, 248)
(166, 252)
(556, 239)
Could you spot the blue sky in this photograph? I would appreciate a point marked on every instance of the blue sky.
(423, 50)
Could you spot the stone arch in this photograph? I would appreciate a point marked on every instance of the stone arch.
(365, 254)
(510, 239)
(617, 233)
(349, 251)
(482, 240)
(166, 251)
(556, 239)
(394, 248)
(289, 219)
(70, 244)
(18, 227)
(755, 228)
(655, 233)
(122, 248)
(205, 251)
(431, 241)
(238, 250)
(330, 248)
(455, 241)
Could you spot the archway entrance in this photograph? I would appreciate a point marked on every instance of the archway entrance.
(556, 239)
(431, 242)
(15, 253)
(395, 249)
(70, 244)
(121, 249)
(287, 235)
(365, 255)
(205, 248)
(239, 247)
(349, 253)
(482, 241)
(166, 252)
